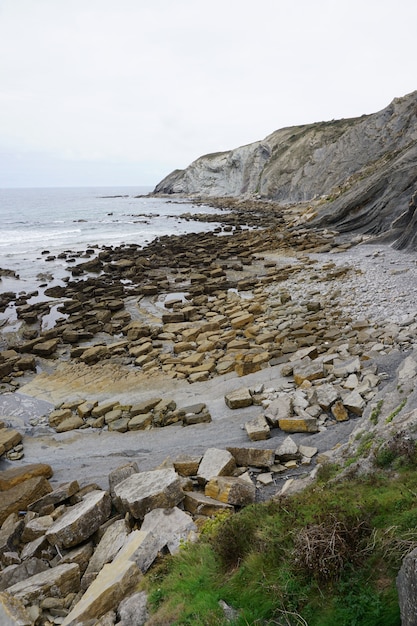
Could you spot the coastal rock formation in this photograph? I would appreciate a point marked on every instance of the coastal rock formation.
(357, 174)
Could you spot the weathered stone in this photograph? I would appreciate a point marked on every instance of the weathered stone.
(58, 495)
(255, 457)
(307, 451)
(199, 504)
(103, 408)
(94, 354)
(84, 409)
(19, 497)
(132, 611)
(80, 555)
(55, 582)
(46, 348)
(142, 421)
(287, 450)
(231, 490)
(111, 542)
(258, 428)
(16, 573)
(344, 368)
(116, 579)
(307, 370)
(81, 521)
(239, 398)
(280, 408)
(58, 416)
(354, 403)
(142, 492)
(299, 425)
(11, 477)
(171, 527)
(339, 412)
(36, 527)
(326, 395)
(71, 423)
(9, 438)
(120, 425)
(215, 462)
(10, 533)
(120, 474)
(186, 465)
(13, 612)
(407, 589)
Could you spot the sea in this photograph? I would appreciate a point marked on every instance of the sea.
(38, 224)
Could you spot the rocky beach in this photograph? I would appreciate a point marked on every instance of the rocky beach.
(232, 362)
(163, 381)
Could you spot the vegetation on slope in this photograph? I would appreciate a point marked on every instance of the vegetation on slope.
(329, 555)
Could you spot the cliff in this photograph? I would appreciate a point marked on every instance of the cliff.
(357, 174)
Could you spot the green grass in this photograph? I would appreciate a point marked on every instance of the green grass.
(329, 555)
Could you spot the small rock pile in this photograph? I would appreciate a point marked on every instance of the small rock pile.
(117, 417)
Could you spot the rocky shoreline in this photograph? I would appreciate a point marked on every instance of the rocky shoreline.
(232, 362)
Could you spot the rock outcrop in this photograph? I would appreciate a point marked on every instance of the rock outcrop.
(356, 174)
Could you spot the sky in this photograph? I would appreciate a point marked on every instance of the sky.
(122, 92)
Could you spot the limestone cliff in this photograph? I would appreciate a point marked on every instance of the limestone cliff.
(359, 174)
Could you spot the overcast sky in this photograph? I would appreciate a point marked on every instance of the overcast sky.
(121, 92)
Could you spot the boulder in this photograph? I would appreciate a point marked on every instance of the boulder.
(171, 527)
(239, 398)
(287, 450)
(231, 490)
(326, 395)
(354, 403)
(111, 542)
(140, 493)
(299, 425)
(307, 370)
(54, 582)
(407, 589)
(199, 504)
(255, 457)
(81, 521)
(186, 465)
(132, 611)
(280, 408)
(13, 476)
(9, 438)
(18, 498)
(339, 412)
(13, 612)
(58, 495)
(258, 429)
(46, 348)
(16, 573)
(215, 462)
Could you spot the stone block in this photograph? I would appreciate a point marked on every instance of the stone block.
(258, 429)
(56, 582)
(254, 457)
(280, 408)
(171, 527)
(215, 462)
(231, 490)
(22, 495)
(140, 493)
(81, 521)
(307, 370)
(239, 398)
(299, 425)
(199, 504)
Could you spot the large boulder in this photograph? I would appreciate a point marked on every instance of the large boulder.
(81, 521)
(141, 492)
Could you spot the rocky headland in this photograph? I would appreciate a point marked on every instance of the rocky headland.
(206, 372)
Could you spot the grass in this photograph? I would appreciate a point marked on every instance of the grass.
(329, 555)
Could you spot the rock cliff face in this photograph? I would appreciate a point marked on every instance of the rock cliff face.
(359, 174)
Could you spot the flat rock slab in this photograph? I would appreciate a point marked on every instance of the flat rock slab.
(22, 495)
(56, 582)
(58, 495)
(200, 504)
(9, 438)
(81, 521)
(308, 370)
(299, 425)
(140, 493)
(11, 477)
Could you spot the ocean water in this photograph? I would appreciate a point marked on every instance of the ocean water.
(41, 223)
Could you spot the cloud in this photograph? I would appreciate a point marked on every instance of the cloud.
(151, 86)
